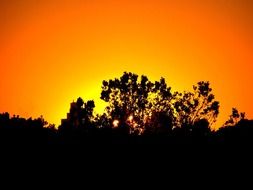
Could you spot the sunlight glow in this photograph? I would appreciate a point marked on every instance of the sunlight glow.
(130, 118)
(115, 123)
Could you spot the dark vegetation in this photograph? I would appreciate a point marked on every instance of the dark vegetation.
(138, 112)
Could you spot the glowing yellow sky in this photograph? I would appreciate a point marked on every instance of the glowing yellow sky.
(52, 52)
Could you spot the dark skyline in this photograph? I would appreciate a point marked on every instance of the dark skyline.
(50, 47)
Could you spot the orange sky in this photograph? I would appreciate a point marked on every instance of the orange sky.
(52, 52)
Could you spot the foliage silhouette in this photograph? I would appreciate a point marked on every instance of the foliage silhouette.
(25, 131)
(137, 111)
(132, 101)
(146, 107)
(235, 117)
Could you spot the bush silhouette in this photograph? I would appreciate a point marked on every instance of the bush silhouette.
(25, 131)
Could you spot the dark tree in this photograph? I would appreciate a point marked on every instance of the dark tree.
(134, 102)
(148, 107)
(196, 106)
(162, 111)
(235, 117)
(128, 101)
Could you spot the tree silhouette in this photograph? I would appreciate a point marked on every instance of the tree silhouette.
(237, 129)
(146, 107)
(162, 111)
(196, 106)
(134, 102)
(235, 117)
(138, 110)
(128, 101)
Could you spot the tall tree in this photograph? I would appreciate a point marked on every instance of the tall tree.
(128, 100)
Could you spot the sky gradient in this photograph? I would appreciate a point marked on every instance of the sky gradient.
(52, 52)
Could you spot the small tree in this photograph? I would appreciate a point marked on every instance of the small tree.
(194, 106)
(235, 117)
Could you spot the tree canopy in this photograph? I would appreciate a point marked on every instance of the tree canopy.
(136, 107)
(143, 105)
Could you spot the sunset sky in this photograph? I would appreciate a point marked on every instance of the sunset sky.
(52, 52)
